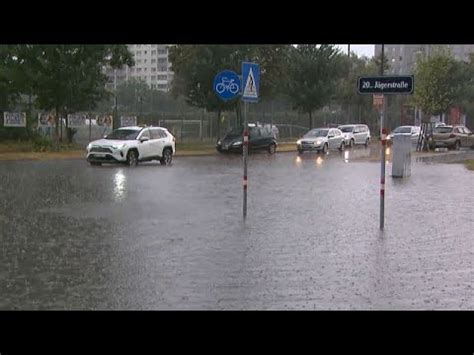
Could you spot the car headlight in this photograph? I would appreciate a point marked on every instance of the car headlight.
(219, 142)
(120, 146)
(89, 146)
(319, 142)
(298, 141)
(237, 143)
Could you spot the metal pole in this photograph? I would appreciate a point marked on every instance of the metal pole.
(115, 118)
(348, 49)
(273, 112)
(245, 156)
(383, 137)
(90, 127)
(200, 127)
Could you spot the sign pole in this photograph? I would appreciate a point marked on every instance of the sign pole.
(245, 158)
(383, 138)
(383, 135)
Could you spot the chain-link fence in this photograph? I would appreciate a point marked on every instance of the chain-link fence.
(205, 126)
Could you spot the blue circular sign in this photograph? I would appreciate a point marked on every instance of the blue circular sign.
(227, 85)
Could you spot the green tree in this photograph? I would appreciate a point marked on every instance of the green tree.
(314, 75)
(195, 67)
(67, 78)
(440, 82)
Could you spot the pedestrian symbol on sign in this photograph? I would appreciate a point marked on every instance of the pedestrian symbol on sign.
(250, 89)
(251, 81)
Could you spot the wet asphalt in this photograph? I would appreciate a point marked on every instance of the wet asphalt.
(74, 236)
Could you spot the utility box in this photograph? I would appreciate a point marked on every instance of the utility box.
(401, 157)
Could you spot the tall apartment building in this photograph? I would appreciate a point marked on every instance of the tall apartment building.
(402, 57)
(152, 66)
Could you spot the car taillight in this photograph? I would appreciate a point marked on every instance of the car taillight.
(452, 136)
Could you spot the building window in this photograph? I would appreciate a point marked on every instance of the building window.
(144, 60)
(162, 77)
(162, 86)
(139, 70)
(153, 70)
(162, 51)
(163, 69)
(153, 86)
(144, 69)
(153, 78)
(139, 52)
(153, 52)
(139, 61)
(161, 60)
(146, 52)
(153, 61)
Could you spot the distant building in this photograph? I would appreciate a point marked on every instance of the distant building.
(152, 66)
(402, 57)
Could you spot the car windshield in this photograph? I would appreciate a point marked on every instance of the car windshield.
(347, 129)
(124, 134)
(316, 133)
(235, 132)
(402, 130)
(442, 129)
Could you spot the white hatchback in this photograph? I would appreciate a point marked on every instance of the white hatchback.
(131, 145)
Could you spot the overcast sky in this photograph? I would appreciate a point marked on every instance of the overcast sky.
(359, 49)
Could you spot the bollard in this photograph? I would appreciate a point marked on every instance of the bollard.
(401, 158)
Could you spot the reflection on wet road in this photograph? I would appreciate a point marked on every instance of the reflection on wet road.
(154, 237)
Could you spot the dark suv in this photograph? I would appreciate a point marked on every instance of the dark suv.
(260, 138)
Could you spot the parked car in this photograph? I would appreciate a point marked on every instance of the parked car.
(412, 131)
(260, 138)
(355, 134)
(131, 145)
(321, 140)
(453, 137)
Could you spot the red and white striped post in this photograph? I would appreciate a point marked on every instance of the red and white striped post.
(382, 173)
(383, 138)
(245, 152)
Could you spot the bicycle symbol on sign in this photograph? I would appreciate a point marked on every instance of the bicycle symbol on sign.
(227, 85)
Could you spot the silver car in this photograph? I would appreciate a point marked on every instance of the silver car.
(355, 134)
(411, 131)
(321, 140)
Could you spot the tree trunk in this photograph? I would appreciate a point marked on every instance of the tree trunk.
(56, 130)
(68, 133)
(237, 112)
(218, 126)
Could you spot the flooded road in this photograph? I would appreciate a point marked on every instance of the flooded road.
(153, 237)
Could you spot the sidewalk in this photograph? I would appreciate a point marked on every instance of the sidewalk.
(194, 150)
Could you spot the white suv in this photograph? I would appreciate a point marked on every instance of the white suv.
(131, 145)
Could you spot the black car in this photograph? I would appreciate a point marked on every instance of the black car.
(260, 138)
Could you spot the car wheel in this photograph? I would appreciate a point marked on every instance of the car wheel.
(343, 146)
(351, 143)
(325, 148)
(300, 151)
(272, 149)
(367, 142)
(457, 145)
(94, 163)
(167, 157)
(132, 158)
